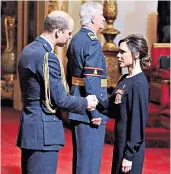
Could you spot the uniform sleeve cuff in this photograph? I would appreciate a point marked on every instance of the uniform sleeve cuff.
(129, 158)
(85, 104)
(94, 113)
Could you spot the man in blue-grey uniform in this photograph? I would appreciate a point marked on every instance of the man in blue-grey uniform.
(87, 75)
(44, 94)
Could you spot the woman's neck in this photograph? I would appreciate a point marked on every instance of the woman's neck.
(134, 70)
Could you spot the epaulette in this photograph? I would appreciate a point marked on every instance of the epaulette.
(92, 36)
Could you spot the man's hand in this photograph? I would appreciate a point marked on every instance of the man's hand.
(96, 121)
(126, 165)
(92, 102)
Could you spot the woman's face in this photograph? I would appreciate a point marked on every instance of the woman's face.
(125, 58)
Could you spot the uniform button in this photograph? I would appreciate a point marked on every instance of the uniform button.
(54, 119)
(101, 94)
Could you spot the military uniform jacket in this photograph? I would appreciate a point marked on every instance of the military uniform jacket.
(87, 71)
(39, 129)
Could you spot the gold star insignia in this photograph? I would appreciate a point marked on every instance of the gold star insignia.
(95, 72)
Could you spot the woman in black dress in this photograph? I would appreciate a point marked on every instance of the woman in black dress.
(131, 101)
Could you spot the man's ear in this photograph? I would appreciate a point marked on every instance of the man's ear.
(58, 32)
(92, 20)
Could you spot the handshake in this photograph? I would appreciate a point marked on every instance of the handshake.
(92, 103)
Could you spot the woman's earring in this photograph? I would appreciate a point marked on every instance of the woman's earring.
(137, 55)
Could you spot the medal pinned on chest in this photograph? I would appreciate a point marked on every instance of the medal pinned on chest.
(119, 94)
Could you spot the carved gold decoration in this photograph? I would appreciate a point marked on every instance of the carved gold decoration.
(56, 5)
(110, 14)
(113, 70)
(110, 50)
(83, 1)
(8, 59)
(52, 5)
(7, 88)
(9, 56)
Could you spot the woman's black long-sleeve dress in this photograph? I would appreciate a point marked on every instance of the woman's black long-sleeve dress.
(130, 101)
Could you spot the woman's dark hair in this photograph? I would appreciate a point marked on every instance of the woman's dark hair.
(137, 44)
(52, 23)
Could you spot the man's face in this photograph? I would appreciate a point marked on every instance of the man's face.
(99, 19)
(64, 35)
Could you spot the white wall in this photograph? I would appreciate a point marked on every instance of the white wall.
(137, 17)
(74, 10)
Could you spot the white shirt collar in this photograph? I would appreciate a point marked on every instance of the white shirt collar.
(90, 29)
(45, 38)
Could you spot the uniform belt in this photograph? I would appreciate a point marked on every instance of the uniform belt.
(31, 103)
(80, 82)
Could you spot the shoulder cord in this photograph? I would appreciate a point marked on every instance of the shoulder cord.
(48, 103)
(63, 76)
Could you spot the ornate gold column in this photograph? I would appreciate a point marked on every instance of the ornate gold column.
(110, 50)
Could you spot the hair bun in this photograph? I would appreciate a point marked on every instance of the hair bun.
(146, 61)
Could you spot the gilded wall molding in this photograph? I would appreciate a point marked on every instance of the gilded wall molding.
(50, 6)
(162, 45)
(55, 5)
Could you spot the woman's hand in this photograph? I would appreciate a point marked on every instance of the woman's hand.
(96, 121)
(126, 165)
